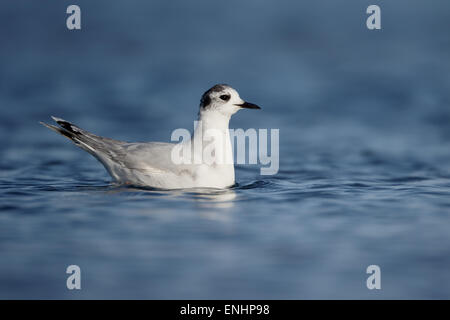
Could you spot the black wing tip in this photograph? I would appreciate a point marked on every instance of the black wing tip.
(65, 124)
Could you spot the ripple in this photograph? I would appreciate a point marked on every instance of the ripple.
(407, 179)
(257, 184)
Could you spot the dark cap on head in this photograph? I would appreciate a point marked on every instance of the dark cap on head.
(206, 99)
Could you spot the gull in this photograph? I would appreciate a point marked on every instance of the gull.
(151, 164)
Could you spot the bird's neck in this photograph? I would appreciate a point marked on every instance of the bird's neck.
(212, 136)
(212, 120)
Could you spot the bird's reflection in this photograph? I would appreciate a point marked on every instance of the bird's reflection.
(213, 198)
(213, 204)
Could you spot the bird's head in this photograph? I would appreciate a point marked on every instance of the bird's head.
(224, 99)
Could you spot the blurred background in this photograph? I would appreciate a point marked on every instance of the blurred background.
(364, 119)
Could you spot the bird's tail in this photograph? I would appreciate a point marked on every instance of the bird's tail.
(107, 151)
(80, 137)
(100, 147)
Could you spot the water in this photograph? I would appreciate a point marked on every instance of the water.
(364, 150)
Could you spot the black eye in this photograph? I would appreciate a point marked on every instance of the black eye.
(225, 97)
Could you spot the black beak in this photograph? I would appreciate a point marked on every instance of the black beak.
(248, 105)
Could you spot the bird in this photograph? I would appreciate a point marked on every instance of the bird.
(155, 164)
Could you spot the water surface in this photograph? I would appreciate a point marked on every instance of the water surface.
(364, 150)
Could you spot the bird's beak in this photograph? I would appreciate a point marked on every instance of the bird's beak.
(248, 105)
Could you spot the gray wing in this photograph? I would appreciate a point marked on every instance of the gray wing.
(151, 157)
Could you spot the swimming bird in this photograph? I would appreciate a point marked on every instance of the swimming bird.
(152, 164)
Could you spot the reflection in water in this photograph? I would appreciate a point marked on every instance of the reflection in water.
(222, 201)
(212, 203)
(214, 198)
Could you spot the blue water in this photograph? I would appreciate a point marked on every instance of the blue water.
(364, 119)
